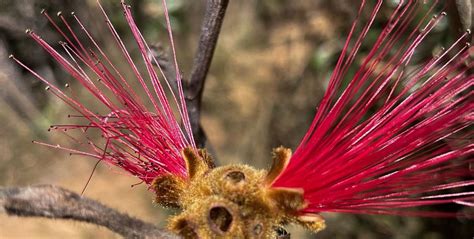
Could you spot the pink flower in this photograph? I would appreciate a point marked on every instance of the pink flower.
(379, 145)
(144, 142)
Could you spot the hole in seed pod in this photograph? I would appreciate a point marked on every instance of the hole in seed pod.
(235, 176)
(258, 229)
(220, 219)
(281, 233)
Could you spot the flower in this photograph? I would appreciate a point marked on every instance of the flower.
(147, 143)
(379, 145)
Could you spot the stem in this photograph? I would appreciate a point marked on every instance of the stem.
(210, 29)
(58, 203)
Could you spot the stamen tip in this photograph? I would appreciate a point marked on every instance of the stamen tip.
(444, 13)
(10, 56)
(43, 11)
(468, 31)
(59, 13)
(28, 31)
(47, 88)
(73, 13)
(66, 85)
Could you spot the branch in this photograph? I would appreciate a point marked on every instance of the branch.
(158, 53)
(464, 8)
(58, 203)
(193, 88)
(461, 15)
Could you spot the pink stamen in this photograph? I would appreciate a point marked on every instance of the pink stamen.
(146, 144)
(355, 161)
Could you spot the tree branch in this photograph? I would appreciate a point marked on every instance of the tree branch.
(58, 203)
(194, 86)
(461, 15)
(464, 8)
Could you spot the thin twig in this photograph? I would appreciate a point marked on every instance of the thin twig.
(464, 8)
(58, 203)
(194, 86)
(165, 64)
(461, 15)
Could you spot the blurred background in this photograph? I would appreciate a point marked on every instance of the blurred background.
(270, 68)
